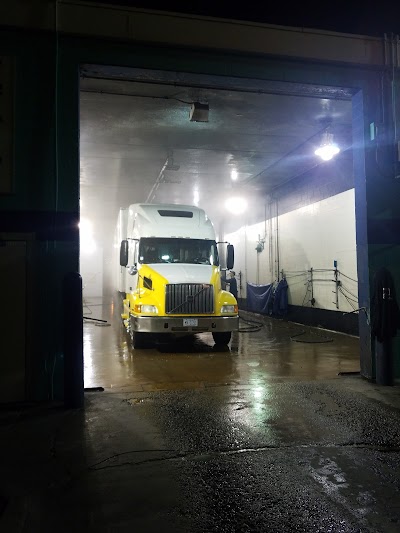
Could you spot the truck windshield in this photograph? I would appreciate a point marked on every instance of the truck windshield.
(166, 250)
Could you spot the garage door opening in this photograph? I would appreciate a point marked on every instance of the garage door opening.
(139, 143)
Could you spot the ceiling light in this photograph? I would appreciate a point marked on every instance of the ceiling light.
(328, 148)
(199, 112)
(236, 205)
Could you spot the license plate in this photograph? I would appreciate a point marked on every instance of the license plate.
(190, 322)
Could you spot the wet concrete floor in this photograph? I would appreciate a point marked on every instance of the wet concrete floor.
(279, 350)
(264, 437)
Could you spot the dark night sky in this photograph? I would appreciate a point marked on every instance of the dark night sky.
(368, 17)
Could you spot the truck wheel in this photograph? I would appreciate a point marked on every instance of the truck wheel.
(222, 337)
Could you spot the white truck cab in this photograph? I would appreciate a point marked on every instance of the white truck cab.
(170, 267)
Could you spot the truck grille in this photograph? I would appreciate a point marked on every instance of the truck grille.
(189, 299)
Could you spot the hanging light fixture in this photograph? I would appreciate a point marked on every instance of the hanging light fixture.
(328, 148)
(236, 205)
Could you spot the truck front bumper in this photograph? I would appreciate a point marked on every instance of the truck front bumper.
(197, 324)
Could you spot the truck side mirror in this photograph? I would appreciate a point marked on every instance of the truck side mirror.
(230, 256)
(123, 253)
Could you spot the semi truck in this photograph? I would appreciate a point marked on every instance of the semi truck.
(170, 274)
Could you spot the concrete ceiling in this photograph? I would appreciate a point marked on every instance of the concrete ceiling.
(129, 130)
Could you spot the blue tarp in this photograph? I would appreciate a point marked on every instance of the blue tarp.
(280, 306)
(268, 299)
(259, 298)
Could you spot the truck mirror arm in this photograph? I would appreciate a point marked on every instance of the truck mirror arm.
(133, 270)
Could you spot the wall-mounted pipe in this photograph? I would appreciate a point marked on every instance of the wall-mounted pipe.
(245, 255)
(270, 243)
(277, 240)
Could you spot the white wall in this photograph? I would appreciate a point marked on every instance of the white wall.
(312, 236)
(91, 270)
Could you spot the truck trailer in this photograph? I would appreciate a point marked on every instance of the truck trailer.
(170, 274)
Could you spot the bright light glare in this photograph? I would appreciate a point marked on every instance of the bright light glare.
(85, 226)
(327, 151)
(234, 174)
(258, 393)
(87, 244)
(236, 205)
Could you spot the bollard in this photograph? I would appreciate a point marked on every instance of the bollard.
(73, 341)
(384, 362)
(385, 321)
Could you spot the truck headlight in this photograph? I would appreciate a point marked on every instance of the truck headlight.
(229, 309)
(145, 308)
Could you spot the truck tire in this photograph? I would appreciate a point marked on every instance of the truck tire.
(222, 337)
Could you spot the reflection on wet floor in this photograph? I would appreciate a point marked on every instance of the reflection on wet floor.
(252, 357)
